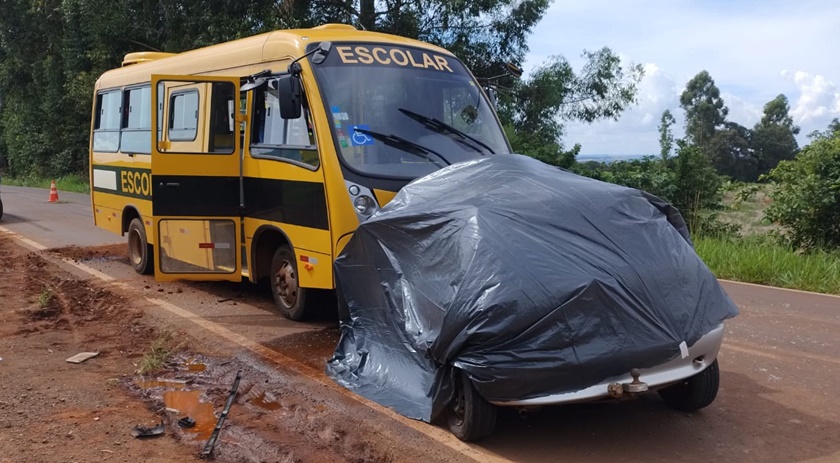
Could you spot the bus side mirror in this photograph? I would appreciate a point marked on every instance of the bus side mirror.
(289, 94)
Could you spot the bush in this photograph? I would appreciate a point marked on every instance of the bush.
(806, 200)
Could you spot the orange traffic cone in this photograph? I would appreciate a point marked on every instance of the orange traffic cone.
(53, 193)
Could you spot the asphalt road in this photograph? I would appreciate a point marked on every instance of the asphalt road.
(780, 365)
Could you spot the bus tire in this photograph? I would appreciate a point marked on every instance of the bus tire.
(289, 297)
(140, 252)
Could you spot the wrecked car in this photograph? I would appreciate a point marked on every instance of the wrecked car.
(506, 282)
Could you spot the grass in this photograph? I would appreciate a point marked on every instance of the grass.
(74, 182)
(757, 259)
(45, 297)
(756, 256)
(158, 353)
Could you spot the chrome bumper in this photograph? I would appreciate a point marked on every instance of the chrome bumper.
(700, 355)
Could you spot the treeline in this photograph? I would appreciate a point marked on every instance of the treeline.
(690, 172)
(52, 51)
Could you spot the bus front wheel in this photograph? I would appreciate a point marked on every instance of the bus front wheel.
(139, 250)
(289, 297)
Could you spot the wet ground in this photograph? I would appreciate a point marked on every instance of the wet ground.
(87, 411)
(779, 367)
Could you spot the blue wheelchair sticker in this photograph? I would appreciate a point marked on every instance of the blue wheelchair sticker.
(359, 138)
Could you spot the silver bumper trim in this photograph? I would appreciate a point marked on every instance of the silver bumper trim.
(656, 377)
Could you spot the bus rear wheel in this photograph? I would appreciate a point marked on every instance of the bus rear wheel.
(140, 252)
(289, 297)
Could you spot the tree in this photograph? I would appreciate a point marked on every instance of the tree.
(697, 183)
(704, 109)
(806, 199)
(51, 52)
(535, 109)
(666, 137)
(730, 152)
(774, 137)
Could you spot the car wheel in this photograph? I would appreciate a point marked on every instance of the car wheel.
(695, 392)
(289, 297)
(471, 418)
(140, 252)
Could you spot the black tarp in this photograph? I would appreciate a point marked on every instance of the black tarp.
(531, 279)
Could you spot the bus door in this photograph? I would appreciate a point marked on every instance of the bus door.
(196, 178)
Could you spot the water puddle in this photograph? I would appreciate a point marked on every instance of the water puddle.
(187, 403)
(168, 383)
(264, 402)
(196, 367)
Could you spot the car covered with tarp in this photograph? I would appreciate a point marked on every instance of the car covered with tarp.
(503, 281)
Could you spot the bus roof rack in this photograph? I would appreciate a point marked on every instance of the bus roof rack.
(144, 56)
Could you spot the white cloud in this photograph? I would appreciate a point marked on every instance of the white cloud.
(742, 111)
(819, 98)
(631, 134)
(743, 45)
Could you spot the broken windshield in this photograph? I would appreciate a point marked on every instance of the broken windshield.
(397, 91)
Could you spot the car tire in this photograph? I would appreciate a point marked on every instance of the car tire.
(471, 417)
(140, 252)
(695, 392)
(289, 297)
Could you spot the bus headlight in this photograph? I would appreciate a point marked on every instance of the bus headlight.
(365, 205)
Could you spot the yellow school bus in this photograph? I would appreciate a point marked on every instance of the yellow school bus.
(258, 158)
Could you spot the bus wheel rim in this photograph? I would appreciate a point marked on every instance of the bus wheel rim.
(135, 247)
(286, 283)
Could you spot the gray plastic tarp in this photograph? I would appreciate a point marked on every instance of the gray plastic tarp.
(530, 279)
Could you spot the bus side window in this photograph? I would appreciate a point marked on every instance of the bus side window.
(273, 136)
(106, 126)
(221, 119)
(135, 136)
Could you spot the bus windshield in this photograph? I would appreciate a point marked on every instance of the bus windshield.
(404, 112)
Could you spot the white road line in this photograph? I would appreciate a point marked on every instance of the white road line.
(437, 434)
(26, 241)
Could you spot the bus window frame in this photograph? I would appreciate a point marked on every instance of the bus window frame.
(171, 109)
(98, 120)
(306, 113)
(124, 118)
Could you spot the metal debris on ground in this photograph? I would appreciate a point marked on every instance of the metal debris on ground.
(208, 448)
(143, 431)
(186, 422)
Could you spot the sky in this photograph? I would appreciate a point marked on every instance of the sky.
(753, 49)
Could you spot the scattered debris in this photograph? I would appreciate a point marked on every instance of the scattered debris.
(186, 422)
(224, 299)
(81, 357)
(143, 431)
(208, 448)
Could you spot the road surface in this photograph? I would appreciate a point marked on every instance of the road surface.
(780, 365)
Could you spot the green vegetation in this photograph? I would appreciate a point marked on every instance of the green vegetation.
(51, 55)
(806, 200)
(45, 297)
(758, 259)
(159, 351)
(71, 182)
